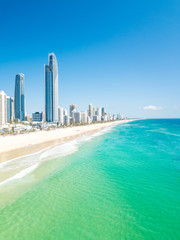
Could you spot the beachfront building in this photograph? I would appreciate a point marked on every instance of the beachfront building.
(119, 117)
(84, 117)
(91, 111)
(105, 118)
(95, 118)
(88, 120)
(51, 89)
(61, 116)
(66, 120)
(72, 120)
(3, 109)
(27, 118)
(103, 111)
(99, 113)
(94, 111)
(10, 109)
(77, 117)
(65, 112)
(37, 117)
(72, 108)
(19, 98)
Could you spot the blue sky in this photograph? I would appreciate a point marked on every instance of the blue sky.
(121, 54)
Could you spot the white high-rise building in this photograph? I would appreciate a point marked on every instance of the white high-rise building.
(99, 114)
(65, 112)
(89, 120)
(3, 108)
(91, 111)
(84, 117)
(105, 117)
(61, 116)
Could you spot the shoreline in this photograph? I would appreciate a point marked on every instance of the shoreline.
(21, 145)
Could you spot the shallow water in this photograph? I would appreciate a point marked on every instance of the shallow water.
(122, 184)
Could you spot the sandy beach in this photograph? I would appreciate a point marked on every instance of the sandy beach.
(19, 145)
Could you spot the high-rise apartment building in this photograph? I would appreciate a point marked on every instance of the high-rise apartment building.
(61, 115)
(51, 89)
(65, 112)
(19, 98)
(84, 117)
(66, 120)
(10, 109)
(91, 109)
(103, 111)
(77, 117)
(72, 108)
(99, 112)
(3, 108)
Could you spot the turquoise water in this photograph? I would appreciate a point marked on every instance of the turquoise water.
(123, 184)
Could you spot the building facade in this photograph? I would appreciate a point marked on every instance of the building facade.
(51, 89)
(99, 113)
(10, 109)
(3, 108)
(91, 111)
(103, 111)
(61, 115)
(72, 108)
(66, 120)
(19, 98)
(37, 117)
(77, 117)
(84, 117)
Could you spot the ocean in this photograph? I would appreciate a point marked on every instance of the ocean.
(119, 184)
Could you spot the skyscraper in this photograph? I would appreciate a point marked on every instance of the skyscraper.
(9, 108)
(72, 107)
(12, 109)
(84, 117)
(103, 111)
(99, 112)
(91, 111)
(3, 108)
(77, 117)
(51, 89)
(19, 98)
(61, 116)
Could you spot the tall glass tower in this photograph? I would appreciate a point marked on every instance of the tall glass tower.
(51, 89)
(19, 98)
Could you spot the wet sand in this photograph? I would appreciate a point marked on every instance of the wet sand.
(24, 144)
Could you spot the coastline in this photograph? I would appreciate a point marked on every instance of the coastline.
(20, 145)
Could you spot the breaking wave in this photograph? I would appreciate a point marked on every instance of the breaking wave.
(18, 168)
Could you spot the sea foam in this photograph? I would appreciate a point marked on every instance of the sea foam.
(32, 161)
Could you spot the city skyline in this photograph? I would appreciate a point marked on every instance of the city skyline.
(128, 62)
(13, 110)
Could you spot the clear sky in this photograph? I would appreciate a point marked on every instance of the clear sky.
(121, 54)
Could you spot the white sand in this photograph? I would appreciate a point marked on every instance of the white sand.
(11, 143)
